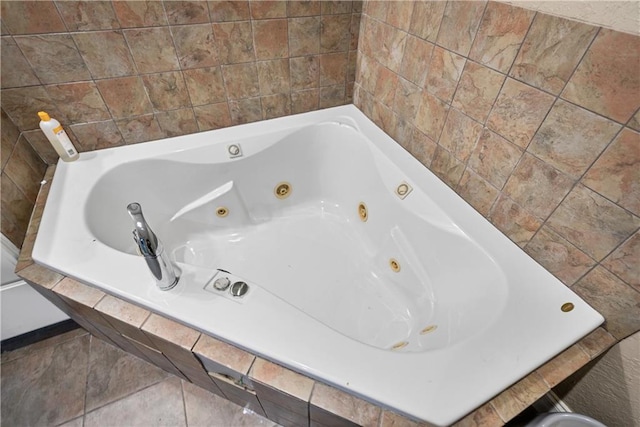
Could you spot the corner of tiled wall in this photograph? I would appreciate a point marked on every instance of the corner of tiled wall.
(123, 72)
(531, 118)
(22, 171)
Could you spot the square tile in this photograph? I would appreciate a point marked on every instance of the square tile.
(54, 58)
(195, 46)
(16, 71)
(304, 35)
(78, 292)
(460, 135)
(97, 135)
(459, 25)
(80, 102)
(125, 96)
(335, 33)
(592, 223)
(616, 173)
(500, 35)
(623, 261)
(246, 110)
(494, 158)
(20, 104)
(177, 122)
(205, 85)
(566, 363)
(277, 383)
(106, 53)
(140, 129)
(513, 220)
(265, 9)
(447, 167)
(549, 38)
(518, 112)
(332, 96)
(241, 80)
(385, 86)
(26, 169)
(235, 42)
(519, 396)
(222, 358)
(31, 385)
(339, 404)
(407, 99)
(537, 186)
(152, 49)
(334, 7)
(561, 258)
(333, 69)
(186, 12)
(390, 48)
(477, 90)
(444, 72)
(212, 116)
(571, 138)
(303, 8)
(305, 100)
(273, 76)
(229, 10)
(607, 80)
(88, 15)
(477, 192)
(167, 91)
(140, 13)
(399, 15)
(615, 300)
(431, 115)
(271, 38)
(426, 19)
(277, 105)
(597, 342)
(22, 17)
(415, 63)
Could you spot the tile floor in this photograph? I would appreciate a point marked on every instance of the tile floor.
(76, 380)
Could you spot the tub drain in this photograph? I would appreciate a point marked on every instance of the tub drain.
(222, 212)
(394, 264)
(282, 190)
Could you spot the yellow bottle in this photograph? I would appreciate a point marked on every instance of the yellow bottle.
(56, 135)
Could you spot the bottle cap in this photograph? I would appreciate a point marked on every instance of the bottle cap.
(43, 116)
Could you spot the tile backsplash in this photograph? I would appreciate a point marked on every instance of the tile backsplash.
(531, 118)
(124, 72)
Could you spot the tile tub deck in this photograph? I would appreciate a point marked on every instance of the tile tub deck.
(270, 390)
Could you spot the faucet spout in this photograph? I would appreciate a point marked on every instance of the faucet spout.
(152, 250)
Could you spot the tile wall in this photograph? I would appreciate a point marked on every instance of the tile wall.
(124, 72)
(531, 118)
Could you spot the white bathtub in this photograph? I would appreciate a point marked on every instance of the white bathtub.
(467, 314)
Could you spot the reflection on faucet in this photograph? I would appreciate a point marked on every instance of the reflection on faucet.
(152, 250)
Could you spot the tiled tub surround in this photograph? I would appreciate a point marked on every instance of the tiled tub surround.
(123, 72)
(532, 119)
(280, 394)
(144, 335)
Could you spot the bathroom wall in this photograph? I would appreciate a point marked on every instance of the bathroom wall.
(531, 118)
(124, 72)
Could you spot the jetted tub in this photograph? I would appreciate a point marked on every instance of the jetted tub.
(364, 270)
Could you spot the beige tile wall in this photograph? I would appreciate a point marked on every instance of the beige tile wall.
(123, 72)
(531, 118)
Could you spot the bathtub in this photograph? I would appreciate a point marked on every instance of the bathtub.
(363, 269)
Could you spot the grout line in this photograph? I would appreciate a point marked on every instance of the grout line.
(184, 403)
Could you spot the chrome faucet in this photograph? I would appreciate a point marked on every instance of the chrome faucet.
(152, 250)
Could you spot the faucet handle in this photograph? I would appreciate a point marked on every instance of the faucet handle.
(144, 237)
